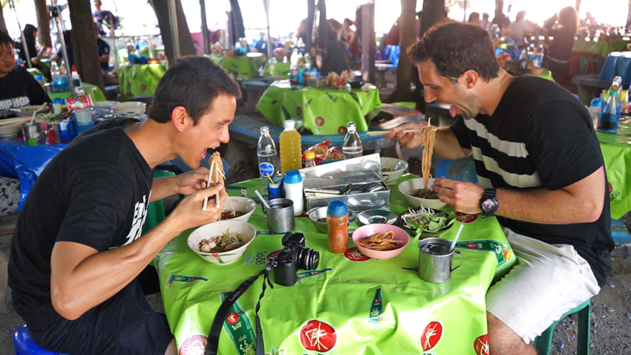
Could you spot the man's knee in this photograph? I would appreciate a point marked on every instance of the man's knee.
(504, 341)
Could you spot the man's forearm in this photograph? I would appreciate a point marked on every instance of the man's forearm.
(162, 188)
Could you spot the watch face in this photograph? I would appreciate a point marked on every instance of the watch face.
(489, 205)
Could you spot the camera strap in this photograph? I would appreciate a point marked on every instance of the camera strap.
(222, 313)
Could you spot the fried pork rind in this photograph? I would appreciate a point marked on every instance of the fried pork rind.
(380, 242)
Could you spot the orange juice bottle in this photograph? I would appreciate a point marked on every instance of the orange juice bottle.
(290, 148)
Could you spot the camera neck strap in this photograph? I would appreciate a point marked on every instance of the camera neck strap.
(224, 309)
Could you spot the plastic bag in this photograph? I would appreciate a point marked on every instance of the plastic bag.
(320, 151)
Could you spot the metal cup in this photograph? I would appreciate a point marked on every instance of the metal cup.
(31, 131)
(280, 215)
(435, 259)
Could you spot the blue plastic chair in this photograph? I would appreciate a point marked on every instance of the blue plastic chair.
(25, 345)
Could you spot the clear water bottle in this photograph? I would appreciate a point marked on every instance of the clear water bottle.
(352, 147)
(268, 158)
(611, 113)
(595, 110)
(55, 74)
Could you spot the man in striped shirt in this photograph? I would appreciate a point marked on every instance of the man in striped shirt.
(540, 171)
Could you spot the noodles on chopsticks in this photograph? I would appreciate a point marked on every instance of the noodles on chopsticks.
(429, 135)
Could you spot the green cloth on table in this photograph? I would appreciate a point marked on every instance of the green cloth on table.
(245, 66)
(349, 305)
(35, 71)
(139, 79)
(94, 91)
(545, 74)
(322, 111)
(616, 149)
(277, 69)
(602, 48)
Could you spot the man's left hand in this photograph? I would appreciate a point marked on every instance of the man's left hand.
(462, 196)
(189, 182)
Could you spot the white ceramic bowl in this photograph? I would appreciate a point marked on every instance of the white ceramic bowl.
(132, 109)
(240, 204)
(28, 110)
(247, 231)
(399, 167)
(11, 130)
(407, 188)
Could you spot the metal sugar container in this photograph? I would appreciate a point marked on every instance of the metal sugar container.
(361, 176)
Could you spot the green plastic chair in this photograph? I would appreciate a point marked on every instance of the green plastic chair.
(155, 211)
(584, 62)
(543, 342)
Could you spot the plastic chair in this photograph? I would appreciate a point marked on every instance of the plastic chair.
(543, 342)
(25, 345)
(590, 65)
(155, 211)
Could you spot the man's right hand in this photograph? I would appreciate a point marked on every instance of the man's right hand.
(407, 140)
(189, 213)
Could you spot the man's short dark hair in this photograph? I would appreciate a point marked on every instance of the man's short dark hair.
(5, 39)
(193, 82)
(455, 48)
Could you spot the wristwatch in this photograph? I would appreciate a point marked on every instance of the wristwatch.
(489, 204)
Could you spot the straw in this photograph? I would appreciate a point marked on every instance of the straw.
(35, 113)
(383, 133)
(262, 199)
(270, 179)
(453, 244)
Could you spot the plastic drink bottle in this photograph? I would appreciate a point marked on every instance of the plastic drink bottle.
(595, 110)
(290, 148)
(611, 115)
(268, 158)
(310, 159)
(293, 190)
(352, 146)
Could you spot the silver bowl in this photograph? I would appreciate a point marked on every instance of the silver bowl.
(319, 213)
(377, 217)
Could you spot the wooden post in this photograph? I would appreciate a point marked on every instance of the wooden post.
(629, 15)
(160, 7)
(3, 24)
(369, 47)
(578, 6)
(205, 39)
(407, 26)
(499, 13)
(310, 18)
(237, 21)
(84, 48)
(323, 27)
(433, 12)
(43, 23)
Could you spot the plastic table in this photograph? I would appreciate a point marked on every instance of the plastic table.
(617, 64)
(244, 67)
(321, 110)
(616, 149)
(139, 79)
(350, 305)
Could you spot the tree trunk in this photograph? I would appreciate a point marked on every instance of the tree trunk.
(205, 39)
(499, 14)
(578, 6)
(629, 15)
(369, 46)
(433, 12)
(84, 48)
(310, 18)
(43, 23)
(3, 24)
(237, 21)
(323, 27)
(407, 26)
(161, 8)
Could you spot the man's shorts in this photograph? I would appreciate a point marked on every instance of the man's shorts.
(123, 325)
(547, 282)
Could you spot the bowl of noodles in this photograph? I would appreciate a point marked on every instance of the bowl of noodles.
(418, 196)
(380, 241)
(238, 209)
(222, 242)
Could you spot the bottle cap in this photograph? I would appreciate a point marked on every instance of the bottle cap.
(337, 208)
(309, 154)
(39, 78)
(290, 124)
(293, 177)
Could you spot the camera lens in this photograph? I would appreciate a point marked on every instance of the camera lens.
(308, 259)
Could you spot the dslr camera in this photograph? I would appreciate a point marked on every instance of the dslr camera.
(294, 256)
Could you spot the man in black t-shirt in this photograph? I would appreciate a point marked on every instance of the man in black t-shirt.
(17, 87)
(540, 171)
(77, 250)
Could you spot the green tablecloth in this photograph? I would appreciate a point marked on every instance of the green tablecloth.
(349, 305)
(616, 150)
(545, 74)
(94, 91)
(277, 69)
(322, 111)
(139, 79)
(244, 67)
(601, 47)
(35, 71)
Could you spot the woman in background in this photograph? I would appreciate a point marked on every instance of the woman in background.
(557, 53)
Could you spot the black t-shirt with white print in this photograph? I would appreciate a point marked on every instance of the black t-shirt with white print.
(19, 88)
(94, 192)
(541, 136)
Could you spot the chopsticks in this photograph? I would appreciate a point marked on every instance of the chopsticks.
(13, 120)
(383, 133)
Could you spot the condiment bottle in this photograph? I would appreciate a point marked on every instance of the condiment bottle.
(337, 222)
(293, 190)
(310, 159)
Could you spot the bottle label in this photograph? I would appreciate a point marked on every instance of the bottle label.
(266, 169)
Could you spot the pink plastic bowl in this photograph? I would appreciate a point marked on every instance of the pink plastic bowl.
(371, 229)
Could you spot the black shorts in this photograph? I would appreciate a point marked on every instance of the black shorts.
(123, 325)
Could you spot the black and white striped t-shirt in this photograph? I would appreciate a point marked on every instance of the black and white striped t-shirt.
(541, 136)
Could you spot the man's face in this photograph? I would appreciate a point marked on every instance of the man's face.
(441, 90)
(210, 131)
(98, 3)
(7, 59)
